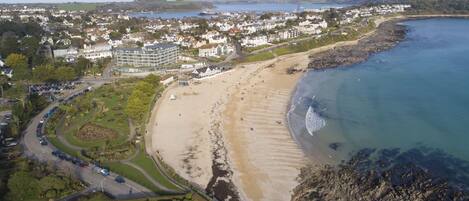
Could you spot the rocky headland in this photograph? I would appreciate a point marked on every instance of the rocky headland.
(387, 35)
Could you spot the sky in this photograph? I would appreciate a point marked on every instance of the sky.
(55, 1)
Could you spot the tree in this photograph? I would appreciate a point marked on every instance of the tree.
(3, 81)
(115, 35)
(52, 186)
(44, 73)
(65, 74)
(19, 64)
(23, 186)
(136, 105)
(9, 43)
(152, 79)
(266, 16)
(146, 88)
(29, 46)
(82, 65)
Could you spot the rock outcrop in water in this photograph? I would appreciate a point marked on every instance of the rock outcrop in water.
(387, 36)
(417, 174)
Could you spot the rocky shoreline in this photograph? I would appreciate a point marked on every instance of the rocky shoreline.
(387, 174)
(387, 35)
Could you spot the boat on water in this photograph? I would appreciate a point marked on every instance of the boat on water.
(208, 12)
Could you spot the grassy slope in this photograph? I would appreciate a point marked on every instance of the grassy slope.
(133, 174)
(147, 164)
(262, 56)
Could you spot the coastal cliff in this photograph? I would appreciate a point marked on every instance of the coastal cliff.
(387, 35)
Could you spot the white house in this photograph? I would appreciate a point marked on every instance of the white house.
(69, 54)
(254, 41)
(210, 50)
(94, 52)
(215, 50)
(205, 72)
(218, 39)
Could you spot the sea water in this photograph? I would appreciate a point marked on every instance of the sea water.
(413, 95)
(243, 7)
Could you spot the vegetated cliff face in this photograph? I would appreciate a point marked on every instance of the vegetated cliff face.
(388, 34)
(387, 175)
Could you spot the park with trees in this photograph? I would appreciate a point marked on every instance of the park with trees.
(105, 126)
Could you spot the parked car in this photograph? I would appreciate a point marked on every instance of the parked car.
(105, 172)
(56, 153)
(84, 164)
(43, 141)
(11, 144)
(119, 179)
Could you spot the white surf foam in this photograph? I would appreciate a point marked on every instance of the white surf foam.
(313, 121)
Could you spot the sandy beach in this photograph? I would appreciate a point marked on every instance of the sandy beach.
(247, 105)
(182, 130)
(236, 120)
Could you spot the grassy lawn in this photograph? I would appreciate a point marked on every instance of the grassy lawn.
(106, 109)
(251, 49)
(133, 174)
(283, 51)
(78, 6)
(262, 56)
(147, 164)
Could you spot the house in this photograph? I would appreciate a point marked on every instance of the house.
(95, 52)
(210, 50)
(205, 72)
(7, 72)
(218, 39)
(254, 41)
(194, 65)
(69, 54)
(215, 50)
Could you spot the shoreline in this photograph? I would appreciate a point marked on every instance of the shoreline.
(235, 123)
(187, 137)
(244, 139)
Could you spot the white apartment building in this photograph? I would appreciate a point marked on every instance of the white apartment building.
(150, 56)
(95, 52)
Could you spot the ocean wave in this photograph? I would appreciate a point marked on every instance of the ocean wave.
(313, 121)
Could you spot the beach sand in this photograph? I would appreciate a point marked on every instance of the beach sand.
(181, 130)
(265, 159)
(242, 111)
